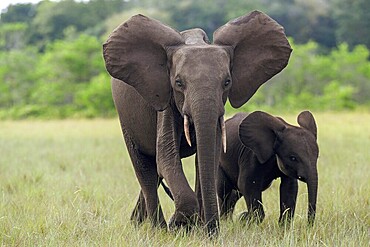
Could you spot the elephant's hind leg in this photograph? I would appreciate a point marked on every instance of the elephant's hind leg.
(139, 213)
(227, 195)
(253, 200)
(148, 205)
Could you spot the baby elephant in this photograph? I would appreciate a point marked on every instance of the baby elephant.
(261, 148)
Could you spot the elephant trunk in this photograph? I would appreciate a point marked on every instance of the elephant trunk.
(312, 186)
(208, 127)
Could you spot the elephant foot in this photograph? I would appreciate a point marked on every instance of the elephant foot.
(285, 221)
(138, 219)
(311, 219)
(213, 228)
(181, 221)
(188, 223)
(250, 218)
(138, 216)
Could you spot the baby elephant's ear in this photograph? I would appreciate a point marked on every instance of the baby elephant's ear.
(306, 120)
(258, 132)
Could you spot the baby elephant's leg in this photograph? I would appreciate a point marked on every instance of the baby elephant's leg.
(253, 199)
(227, 195)
(288, 197)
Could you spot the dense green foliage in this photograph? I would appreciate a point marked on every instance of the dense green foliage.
(51, 64)
(71, 183)
(336, 81)
(68, 79)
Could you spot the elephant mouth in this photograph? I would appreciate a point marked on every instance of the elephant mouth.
(221, 122)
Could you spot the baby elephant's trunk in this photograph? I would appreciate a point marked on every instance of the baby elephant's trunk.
(312, 185)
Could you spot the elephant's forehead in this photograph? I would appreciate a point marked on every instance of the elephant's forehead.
(301, 139)
(201, 55)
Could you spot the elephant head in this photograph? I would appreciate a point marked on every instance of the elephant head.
(295, 147)
(185, 72)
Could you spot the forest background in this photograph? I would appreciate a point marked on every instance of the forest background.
(51, 63)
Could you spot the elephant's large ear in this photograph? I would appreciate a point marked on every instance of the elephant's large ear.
(136, 53)
(261, 50)
(306, 120)
(258, 131)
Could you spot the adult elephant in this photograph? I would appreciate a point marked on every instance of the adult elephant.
(170, 89)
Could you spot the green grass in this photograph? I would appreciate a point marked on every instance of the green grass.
(71, 183)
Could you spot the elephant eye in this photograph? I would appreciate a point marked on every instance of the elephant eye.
(178, 83)
(227, 82)
(293, 158)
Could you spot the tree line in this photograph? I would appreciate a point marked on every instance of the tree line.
(51, 63)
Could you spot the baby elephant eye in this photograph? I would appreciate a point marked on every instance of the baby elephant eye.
(227, 82)
(293, 158)
(178, 83)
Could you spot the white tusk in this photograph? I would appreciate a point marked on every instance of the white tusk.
(223, 133)
(186, 129)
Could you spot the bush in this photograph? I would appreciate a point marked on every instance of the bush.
(337, 81)
(95, 99)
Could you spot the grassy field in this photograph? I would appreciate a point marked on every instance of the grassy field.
(70, 183)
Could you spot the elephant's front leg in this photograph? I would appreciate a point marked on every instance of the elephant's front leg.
(288, 198)
(250, 188)
(170, 168)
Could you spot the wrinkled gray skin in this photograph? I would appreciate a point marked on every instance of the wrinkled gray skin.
(262, 148)
(161, 78)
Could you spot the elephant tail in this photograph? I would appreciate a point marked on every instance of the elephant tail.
(167, 190)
